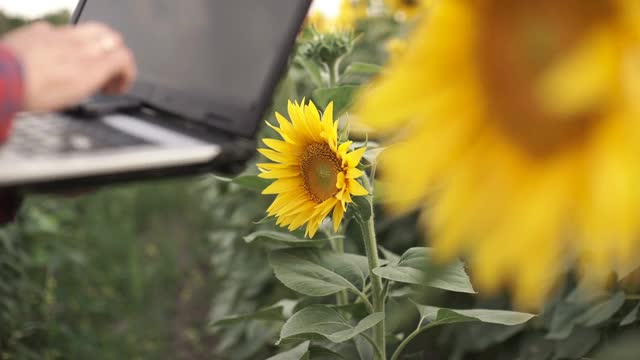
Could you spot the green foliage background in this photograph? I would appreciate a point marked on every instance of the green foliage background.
(140, 271)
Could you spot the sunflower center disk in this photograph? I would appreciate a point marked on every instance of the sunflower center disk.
(519, 41)
(320, 167)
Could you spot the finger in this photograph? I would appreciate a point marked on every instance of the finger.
(93, 30)
(124, 79)
(116, 72)
(96, 39)
(116, 86)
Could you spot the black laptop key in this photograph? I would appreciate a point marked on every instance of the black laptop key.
(57, 134)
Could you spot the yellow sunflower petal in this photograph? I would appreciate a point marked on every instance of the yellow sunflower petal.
(354, 173)
(277, 174)
(355, 188)
(278, 157)
(353, 158)
(283, 146)
(282, 185)
(338, 214)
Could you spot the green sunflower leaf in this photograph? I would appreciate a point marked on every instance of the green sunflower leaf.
(323, 321)
(631, 317)
(251, 182)
(578, 344)
(622, 346)
(279, 311)
(602, 311)
(389, 255)
(361, 207)
(416, 266)
(341, 96)
(319, 352)
(431, 316)
(299, 352)
(363, 68)
(280, 240)
(319, 272)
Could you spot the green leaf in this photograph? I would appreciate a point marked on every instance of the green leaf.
(362, 207)
(313, 69)
(251, 182)
(322, 353)
(584, 309)
(439, 316)
(623, 346)
(280, 240)
(364, 348)
(279, 311)
(631, 316)
(297, 353)
(392, 257)
(578, 344)
(319, 272)
(341, 96)
(563, 320)
(416, 267)
(363, 68)
(326, 322)
(602, 311)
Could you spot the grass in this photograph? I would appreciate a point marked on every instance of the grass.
(124, 272)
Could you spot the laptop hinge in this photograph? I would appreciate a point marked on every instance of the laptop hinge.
(105, 105)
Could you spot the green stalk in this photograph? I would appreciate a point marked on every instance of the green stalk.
(371, 249)
(334, 72)
(419, 330)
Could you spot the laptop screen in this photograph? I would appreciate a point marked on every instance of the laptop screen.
(215, 59)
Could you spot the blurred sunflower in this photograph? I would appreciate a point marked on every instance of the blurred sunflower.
(351, 11)
(525, 119)
(407, 8)
(395, 48)
(319, 21)
(314, 174)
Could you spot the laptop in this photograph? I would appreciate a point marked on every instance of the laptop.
(207, 73)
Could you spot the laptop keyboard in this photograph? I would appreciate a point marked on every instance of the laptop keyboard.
(37, 135)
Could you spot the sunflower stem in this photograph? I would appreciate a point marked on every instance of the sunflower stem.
(334, 72)
(371, 249)
(419, 329)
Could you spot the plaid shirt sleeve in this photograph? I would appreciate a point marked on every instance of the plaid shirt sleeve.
(11, 90)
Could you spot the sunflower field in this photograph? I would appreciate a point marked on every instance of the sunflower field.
(436, 179)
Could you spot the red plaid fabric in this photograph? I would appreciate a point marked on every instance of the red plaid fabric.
(11, 90)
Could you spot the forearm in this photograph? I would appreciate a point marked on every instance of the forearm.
(11, 100)
(11, 91)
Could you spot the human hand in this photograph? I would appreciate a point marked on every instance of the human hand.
(64, 65)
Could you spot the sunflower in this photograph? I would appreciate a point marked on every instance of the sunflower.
(351, 11)
(314, 173)
(525, 120)
(319, 21)
(395, 48)
(407, 8)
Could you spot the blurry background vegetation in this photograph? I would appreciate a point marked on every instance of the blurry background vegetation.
(140, 271)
